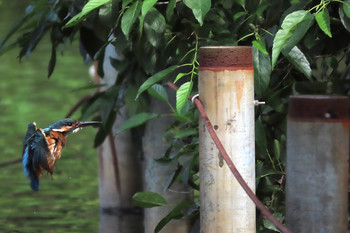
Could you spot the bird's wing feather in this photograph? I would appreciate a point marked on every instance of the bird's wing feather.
(26, 157)
(35, 148)
(30, 132)
(40, 147)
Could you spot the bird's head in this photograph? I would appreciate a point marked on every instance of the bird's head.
(69, 125)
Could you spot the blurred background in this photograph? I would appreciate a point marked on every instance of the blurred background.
(67, 202)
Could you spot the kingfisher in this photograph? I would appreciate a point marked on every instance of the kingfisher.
(42, 147)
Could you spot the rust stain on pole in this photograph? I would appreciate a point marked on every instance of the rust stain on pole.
(239, 93)
(318, 108)
(218, 58)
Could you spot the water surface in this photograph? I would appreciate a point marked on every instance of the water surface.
(68, 202)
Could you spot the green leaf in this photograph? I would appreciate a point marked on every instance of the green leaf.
(277, 149)
(134, 106)
(299, 33)
(323, 21)
(36, 36)
(156, 21)
(154, 24)
(293, 19)
(172, 178)
(288, 26)
(52, 61)
(178, 76)
(147, 199)
(186, 133)
(260, 135)
(346, 8)
(170, 9)
(269, 225)
(275, 101)
(298, 59)
(262, 71)
(278, 44)
(260, 44)
(344, 19)
(90, 6)
(146, 6)
(129, 17)
(239, 14)
(154, 79)
(176, 213)
(108, 14)
(199, 8)
(241, 3)
(15, 27)
(105, 104)
(137, 120)
(125, 3)
(105, 129)
(158, 92)
(182, 95)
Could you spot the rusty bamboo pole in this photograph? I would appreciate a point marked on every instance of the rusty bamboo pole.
(226, 89)
(317, 164)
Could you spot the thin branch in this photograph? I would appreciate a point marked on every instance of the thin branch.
(10, 162)
(77, 105)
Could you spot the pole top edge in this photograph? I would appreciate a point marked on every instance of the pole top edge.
(225, 57)
(225, 47)
(318, 108)
(318, 97)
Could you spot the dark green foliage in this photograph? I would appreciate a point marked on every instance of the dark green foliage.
(148, 199)
(300, 47)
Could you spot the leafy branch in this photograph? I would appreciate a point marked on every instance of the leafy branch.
(185, 89)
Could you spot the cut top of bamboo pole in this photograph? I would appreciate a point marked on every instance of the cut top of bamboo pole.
(217, 58)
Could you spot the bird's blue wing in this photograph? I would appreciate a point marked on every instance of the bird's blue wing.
(25, 161)
(35, 148)
(26, 147)
(39, 149)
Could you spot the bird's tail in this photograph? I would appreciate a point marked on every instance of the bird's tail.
(34, 179)
(34, 183)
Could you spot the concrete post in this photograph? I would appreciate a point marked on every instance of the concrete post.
(226, 89)
(317, 164)
(156, 175)
(116, 189)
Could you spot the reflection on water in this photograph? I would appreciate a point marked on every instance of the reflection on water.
(69, 201)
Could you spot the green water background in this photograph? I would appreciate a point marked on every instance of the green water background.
(69, 201)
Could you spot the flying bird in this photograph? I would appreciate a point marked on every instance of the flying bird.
(42, 147)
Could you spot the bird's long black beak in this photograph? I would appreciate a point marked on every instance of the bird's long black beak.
(88, 123)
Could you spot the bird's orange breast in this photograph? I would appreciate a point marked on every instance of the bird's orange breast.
(56, 142)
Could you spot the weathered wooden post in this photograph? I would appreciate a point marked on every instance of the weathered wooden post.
(156, 175)
(317, 164)
(226, 89)
(119, 171)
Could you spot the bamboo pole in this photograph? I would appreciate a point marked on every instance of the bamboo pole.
(226, 89)
(317, 164)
